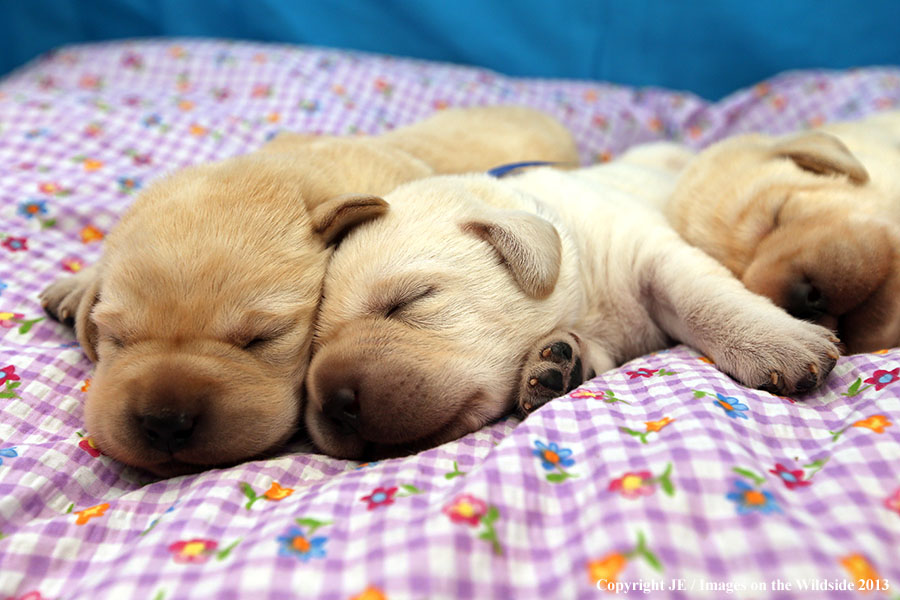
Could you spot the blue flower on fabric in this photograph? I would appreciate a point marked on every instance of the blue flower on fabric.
(733, 407)
(552, 456)
(295, 544)
(7, 453)
(33, 208)
(749, 499)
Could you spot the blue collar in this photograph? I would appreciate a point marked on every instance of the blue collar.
(504, 170)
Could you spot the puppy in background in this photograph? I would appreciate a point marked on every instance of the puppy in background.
(453, 307)
(811, 220)
(199, 314)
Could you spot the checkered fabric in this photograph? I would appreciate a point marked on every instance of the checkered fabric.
(663, 476)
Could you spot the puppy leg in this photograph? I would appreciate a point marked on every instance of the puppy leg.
(696, 300)
(61, 298)
(559, 362)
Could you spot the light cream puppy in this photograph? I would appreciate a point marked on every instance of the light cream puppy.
(199, 314)
(435, 314)
(811, 220)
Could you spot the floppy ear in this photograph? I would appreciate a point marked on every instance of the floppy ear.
(85, 328)
(822, 153)
(529, 246)
(334, 218)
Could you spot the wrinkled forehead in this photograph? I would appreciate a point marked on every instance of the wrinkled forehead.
(202, 289)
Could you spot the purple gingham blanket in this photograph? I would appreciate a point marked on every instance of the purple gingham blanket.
(661, 477)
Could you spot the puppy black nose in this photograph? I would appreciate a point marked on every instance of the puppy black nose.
(168, 433)
(342, 407)
(805, 301)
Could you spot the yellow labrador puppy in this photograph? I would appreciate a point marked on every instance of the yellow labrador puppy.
(811, 220)
(445, 312)
(199, 314)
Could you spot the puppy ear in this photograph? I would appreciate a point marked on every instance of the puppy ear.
(334, 218)
(85, 328)
(529, 246)
(823, 154)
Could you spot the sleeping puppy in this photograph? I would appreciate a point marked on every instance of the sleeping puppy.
(811, 220)
(442, 314)
(199, 314)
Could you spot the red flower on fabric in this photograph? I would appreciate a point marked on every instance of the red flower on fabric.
(633, 485)
(8, 373)
(882, 378)
(87, 444)
(642, 372)
(15, 244)
(380, 497)
(791, 479)
(193, 551)
(466, 509)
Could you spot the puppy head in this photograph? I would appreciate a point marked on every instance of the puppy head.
(834, 267)
(201, 318)
(799, 221)
(426, 316)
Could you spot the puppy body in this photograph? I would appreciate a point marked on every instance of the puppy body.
(424, 339)
(199, 314)
(809, 220)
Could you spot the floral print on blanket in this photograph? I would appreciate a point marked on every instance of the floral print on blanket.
(662, 469)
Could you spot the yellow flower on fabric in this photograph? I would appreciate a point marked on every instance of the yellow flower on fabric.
(91, 234)
(657, 425)
(276, 492)
(607, 569)
(876, 423)
(860, 568)
(89, 513)
(370, 593)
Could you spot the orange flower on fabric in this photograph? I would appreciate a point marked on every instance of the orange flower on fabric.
(859, 568)
(276, 492)
(876, 423)
(91, 234)
(657, 425)
(607, 569)
(370, 593)
(89, 513)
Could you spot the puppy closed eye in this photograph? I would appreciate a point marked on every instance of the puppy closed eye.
(115, 341)
(395, 309)
(256, 343)
(260, 339)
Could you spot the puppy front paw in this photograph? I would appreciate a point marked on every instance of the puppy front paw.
(554, 368)
(793, 357)
(61, 298)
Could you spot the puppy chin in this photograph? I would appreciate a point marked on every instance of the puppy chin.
(333, 440)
